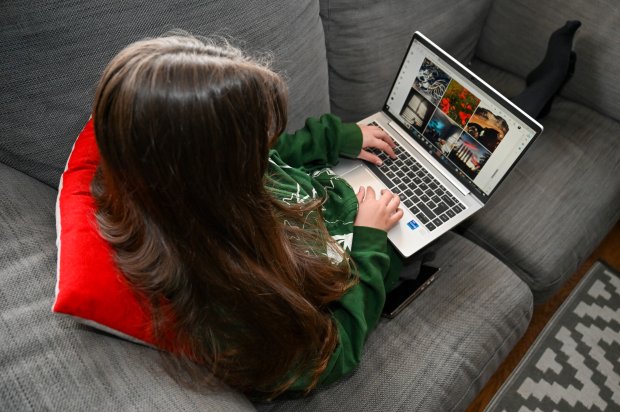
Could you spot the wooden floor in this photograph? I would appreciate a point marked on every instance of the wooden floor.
(609, 252)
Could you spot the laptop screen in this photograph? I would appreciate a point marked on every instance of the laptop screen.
(462, 122)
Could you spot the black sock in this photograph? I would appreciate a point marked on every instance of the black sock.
(546, 80)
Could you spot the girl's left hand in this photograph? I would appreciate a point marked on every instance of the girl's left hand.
(372, 136)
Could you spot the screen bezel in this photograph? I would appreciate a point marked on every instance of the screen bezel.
(486, 88)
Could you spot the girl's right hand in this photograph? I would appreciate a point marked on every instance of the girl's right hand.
(382, 213)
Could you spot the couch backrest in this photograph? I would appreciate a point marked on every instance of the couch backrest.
(52, 54)
(516, 34)
(367, 40)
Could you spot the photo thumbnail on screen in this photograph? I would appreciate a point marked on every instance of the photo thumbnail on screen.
(458, 103)
(488, 128)
(469, 155)
(431, 81)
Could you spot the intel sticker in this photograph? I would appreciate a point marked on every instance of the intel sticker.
(413, 225)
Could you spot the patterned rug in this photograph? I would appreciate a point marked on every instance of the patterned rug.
(574, 365)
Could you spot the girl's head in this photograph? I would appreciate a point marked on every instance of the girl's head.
(180, 120)
(184, 128)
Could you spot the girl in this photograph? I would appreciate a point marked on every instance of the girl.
(259, 264)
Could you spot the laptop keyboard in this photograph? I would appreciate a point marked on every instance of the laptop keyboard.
(429, 200)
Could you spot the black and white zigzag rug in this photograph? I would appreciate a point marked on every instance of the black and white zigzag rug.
(574, 365)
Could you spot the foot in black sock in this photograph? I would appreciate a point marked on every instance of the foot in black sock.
(571, 70)
(546, 80)
(557, 58)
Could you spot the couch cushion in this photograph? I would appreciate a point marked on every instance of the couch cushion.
(438, 353)
(367, 40)
(559, 201)
(89, 285)
(515, 39)
(53, 54)
(428, 357)
(51, 362)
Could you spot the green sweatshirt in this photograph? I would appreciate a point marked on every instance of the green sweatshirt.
(299, 170)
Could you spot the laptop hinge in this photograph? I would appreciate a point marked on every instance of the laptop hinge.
(431, 160)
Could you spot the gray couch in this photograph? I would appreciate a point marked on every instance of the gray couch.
(339, 56)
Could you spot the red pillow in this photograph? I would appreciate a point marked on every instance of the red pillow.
(89, 286)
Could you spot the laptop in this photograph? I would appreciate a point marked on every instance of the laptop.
(457, 138)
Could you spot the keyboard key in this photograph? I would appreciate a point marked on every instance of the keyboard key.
(426, 210)
(437, 221)
(458, 208)
(422, 218)
(448, 200)
(379, 171)
(430, 226)
(444, 218)
(450, 213)
(441, 208)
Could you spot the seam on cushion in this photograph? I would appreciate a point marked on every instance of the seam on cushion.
(482, 27)
(110, 331)
(59, 223)
(328, 18)
(499, 255)
(58, 232)
(498, 68)
(504, 343)
(326, 31)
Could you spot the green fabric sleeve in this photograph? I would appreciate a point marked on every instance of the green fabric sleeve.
(357, 313)
(319, 143)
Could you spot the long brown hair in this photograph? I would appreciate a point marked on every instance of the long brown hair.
(184, 127)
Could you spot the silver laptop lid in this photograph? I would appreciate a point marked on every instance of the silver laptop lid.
(473, 131)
